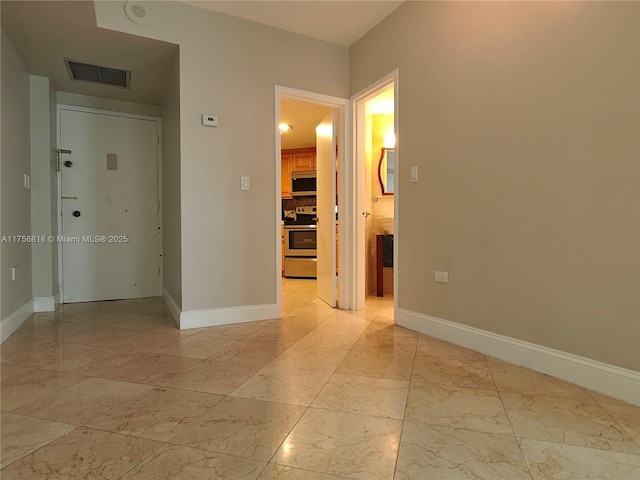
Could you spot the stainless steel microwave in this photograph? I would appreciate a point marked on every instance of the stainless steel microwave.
(303, 184)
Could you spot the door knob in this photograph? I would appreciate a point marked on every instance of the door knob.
(68, 164)
(76, 213)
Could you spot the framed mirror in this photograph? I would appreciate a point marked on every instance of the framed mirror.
(386, 171)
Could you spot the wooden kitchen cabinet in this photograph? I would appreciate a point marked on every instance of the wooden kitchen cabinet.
(285, 174)
(295, 160)
(304, 161)
(301, 159)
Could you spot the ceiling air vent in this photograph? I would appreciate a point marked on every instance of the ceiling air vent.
(88, 72)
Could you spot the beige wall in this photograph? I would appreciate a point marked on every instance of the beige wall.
(75, 99)
(229, 67)
(523, 120)
(171, 221)
(42, 171)
(53, 206)
(15, 162)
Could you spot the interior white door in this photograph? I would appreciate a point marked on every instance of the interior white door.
(326, 208)
(110, 208)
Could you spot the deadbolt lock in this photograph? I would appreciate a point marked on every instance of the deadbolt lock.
(68, 164)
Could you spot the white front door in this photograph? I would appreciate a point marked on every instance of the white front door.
(326, 208)
(110, 209)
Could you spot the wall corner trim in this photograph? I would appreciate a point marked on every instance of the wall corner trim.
(226, 316)
(172, 306)
(44, 304)
(12, 322)
(611, 380)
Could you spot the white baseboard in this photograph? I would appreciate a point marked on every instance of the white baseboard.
(12, 322)
(172, 306)
(225, 316)
(44, 304)
(217, 316)
(608, 379)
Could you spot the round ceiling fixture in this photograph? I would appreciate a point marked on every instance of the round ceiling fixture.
(137, 12)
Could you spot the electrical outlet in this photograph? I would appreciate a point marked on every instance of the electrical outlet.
(209, 120)
(442, 277)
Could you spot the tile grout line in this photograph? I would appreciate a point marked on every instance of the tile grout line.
(406, 405)
(308, 407)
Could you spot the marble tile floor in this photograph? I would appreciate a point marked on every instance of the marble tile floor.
(112, 390)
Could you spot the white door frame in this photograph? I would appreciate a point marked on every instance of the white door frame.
(345, 206)
(158, 121)
(356, 242)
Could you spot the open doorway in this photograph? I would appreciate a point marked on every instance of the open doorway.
(376, 239)
(309, 144)
(379, 194)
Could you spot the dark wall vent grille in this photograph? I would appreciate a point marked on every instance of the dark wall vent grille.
(88, 72)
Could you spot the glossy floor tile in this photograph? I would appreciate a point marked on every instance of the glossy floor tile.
(379, 365)
(158, 414)
(347, 444)
(457, 407)
(113, 390)
(554, 461)
(21, 435)
(439, 452)
(173, 462)
(284, 384)
(81, 403)
(568, 421)
(82, 454)
(451, 371)
(213, 376)
(19, 390)
(244, 427)
(379, 397)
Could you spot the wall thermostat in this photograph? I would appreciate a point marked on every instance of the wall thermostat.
(209, 120)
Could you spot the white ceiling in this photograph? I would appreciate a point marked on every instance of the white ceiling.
(339, 22)
(303, 117)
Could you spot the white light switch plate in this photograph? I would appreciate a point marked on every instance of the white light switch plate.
(112, 161)
(414, 174)
(244, 183)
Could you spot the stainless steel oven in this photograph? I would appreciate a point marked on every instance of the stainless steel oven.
(300, 243)
(300, 240)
